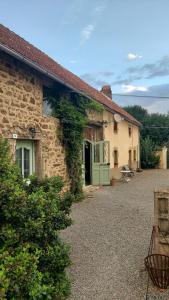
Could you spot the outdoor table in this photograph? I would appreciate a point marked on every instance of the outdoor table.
(125, 175)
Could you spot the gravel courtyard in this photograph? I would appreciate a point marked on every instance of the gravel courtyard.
(110, 238)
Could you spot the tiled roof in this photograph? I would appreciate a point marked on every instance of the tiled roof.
(17, 44)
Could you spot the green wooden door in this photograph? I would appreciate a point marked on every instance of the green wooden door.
(101, 163)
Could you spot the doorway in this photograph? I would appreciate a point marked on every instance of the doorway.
(87, 152)
(130, 158)
(96, 163)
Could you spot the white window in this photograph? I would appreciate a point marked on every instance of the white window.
(25, 157)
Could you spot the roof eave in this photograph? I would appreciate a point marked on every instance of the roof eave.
(54, 77)
(137, 123)
(38, 68)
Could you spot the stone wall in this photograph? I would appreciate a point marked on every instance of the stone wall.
(163, 158)
(21, 94)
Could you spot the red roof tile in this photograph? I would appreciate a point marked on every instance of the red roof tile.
(17, 44)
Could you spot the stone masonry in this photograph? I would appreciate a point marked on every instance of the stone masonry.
(21, 100)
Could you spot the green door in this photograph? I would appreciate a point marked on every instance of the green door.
(101, 163)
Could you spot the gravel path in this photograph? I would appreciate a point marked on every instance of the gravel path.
(110, 238)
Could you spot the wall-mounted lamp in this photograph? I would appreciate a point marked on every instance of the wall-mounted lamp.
(105, 123)
(32, 131)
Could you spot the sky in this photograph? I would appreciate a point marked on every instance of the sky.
(124, 43)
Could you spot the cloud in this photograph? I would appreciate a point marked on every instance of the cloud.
(132, 56)
(126, 81)
(153, 105)
(157, 69)
(106, 73)
(98, 79)
(99, 9)
(72, 61)
(126, 88)
(86, 33)
(94, 80)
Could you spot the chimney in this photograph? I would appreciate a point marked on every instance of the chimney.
(106, 89)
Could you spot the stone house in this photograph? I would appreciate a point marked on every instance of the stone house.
(111, 138)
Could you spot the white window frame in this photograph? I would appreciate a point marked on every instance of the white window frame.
(28, 145)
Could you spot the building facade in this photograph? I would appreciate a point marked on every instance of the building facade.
(32, 135)
(25, 75)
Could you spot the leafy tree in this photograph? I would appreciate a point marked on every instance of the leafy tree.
(149, 159)
(138, 112)
(32, 256)
(154, 125)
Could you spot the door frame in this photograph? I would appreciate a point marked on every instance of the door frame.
(83, 161)
(97, 168)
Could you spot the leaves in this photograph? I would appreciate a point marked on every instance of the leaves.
(154, 133)
(32, 256)
(72, 114)
(149, 159)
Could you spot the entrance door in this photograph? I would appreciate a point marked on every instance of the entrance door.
(87, 160)
(25, 157)
(101, 163)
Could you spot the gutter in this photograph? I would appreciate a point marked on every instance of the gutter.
(40, 69)
(54, 77)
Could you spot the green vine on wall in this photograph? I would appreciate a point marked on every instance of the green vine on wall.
(72, 113)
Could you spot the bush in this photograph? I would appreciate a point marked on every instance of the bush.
(149, 159)
(32, 256)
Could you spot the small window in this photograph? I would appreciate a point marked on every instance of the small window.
(25, 157)
(115, 127)
(47, 93)
(130, 131)
(47, 110)
(134, 154)
(115, 158)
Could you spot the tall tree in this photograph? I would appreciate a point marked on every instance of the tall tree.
(138, 112)
(155, 125)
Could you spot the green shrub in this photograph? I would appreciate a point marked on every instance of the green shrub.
(32, 256)
(149, 159)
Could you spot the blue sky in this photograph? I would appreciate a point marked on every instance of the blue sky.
(123, 43)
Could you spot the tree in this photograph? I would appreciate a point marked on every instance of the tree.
(137, 112)
(32, 256)
(154, 132)
(154, 125)
(149, 159)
